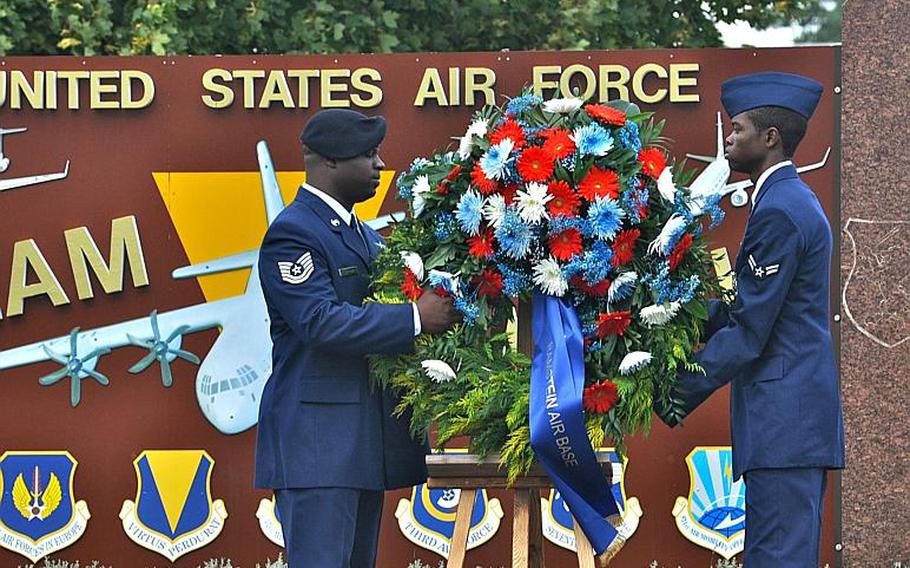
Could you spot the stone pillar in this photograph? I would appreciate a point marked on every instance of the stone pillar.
(875, 282)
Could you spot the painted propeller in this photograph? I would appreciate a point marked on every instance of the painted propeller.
(75, 367)
(162, 350)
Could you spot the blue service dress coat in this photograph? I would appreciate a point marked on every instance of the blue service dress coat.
(321, 424)
(774, 344)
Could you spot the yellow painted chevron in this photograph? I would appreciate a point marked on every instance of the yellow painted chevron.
(174, 471)
(219, 214)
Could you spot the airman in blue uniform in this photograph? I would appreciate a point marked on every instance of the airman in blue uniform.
(327, 442)
(774, 343)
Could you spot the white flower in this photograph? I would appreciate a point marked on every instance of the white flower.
(549, 277)
(658, 315)
(494, 210)
(674, 226)
(417, 204)
(665, 185)
(413, 262)
(532, 203)
(437, 370)
(562, 106)
(622, 287)
(421, 186)
(633, 362)
(466, 144)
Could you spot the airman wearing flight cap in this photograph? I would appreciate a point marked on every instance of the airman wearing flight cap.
(774, 343)
(328, 444)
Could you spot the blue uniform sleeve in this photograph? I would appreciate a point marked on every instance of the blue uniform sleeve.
(772, 249)
(718, 318)
(298, 288)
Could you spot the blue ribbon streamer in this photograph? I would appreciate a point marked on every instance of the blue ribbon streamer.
(558, 435)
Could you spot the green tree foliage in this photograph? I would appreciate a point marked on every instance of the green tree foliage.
(825, 25)
(161, 27)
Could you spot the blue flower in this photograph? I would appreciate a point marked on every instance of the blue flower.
(469, 212)
(633, 200)
(622, 286)
(713, 209)
(514, 235)
(445, 280)
(404, 191)
(497, 159)
(628, 136)
(592, 140)
(605, 218)
(520, 104)
(514, 283)
(665, 290)
(470, 311)
(594, 264)
(446, 226)
(561, 223)
(417, 164)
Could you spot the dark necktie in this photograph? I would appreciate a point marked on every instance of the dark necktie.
(355, 225)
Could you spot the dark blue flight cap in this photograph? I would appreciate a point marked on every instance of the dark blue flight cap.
(342, 133)
(793, 92)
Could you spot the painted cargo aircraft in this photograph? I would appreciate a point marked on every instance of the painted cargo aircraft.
(231, 375)
(716, 175)
(14, 183)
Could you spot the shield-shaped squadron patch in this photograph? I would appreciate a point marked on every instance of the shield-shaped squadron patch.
(428, 518)
(558, 525)
(714, 514)
(38, 513)
(173, 513)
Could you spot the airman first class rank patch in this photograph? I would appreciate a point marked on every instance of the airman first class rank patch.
(297, 272)
(762, 271)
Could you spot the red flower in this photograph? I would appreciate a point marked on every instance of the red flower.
(442, 188)
(489, 283)
(484, 184)
(599, 290)
(642, 211)
(600, 397)
(481, 245)
(411, 287)
(559, 143)
(613, 323)
(509, 129)
(624, 247)
(652, 161)
(566, 244)
(535, 164)
(508, 193)
(454, 173)
(565, 201)
(599, 182)
(679, 251)
(607, 115)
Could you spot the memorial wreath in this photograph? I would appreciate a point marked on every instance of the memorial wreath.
(560, 198)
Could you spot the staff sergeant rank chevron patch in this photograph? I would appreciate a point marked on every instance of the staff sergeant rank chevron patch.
(761, 272)
(297, 272)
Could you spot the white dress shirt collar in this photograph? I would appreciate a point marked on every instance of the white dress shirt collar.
(331, 202)
(765, 175)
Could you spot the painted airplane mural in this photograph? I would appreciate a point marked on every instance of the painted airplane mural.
(14, 183)
(231, 375)
(715, 177)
